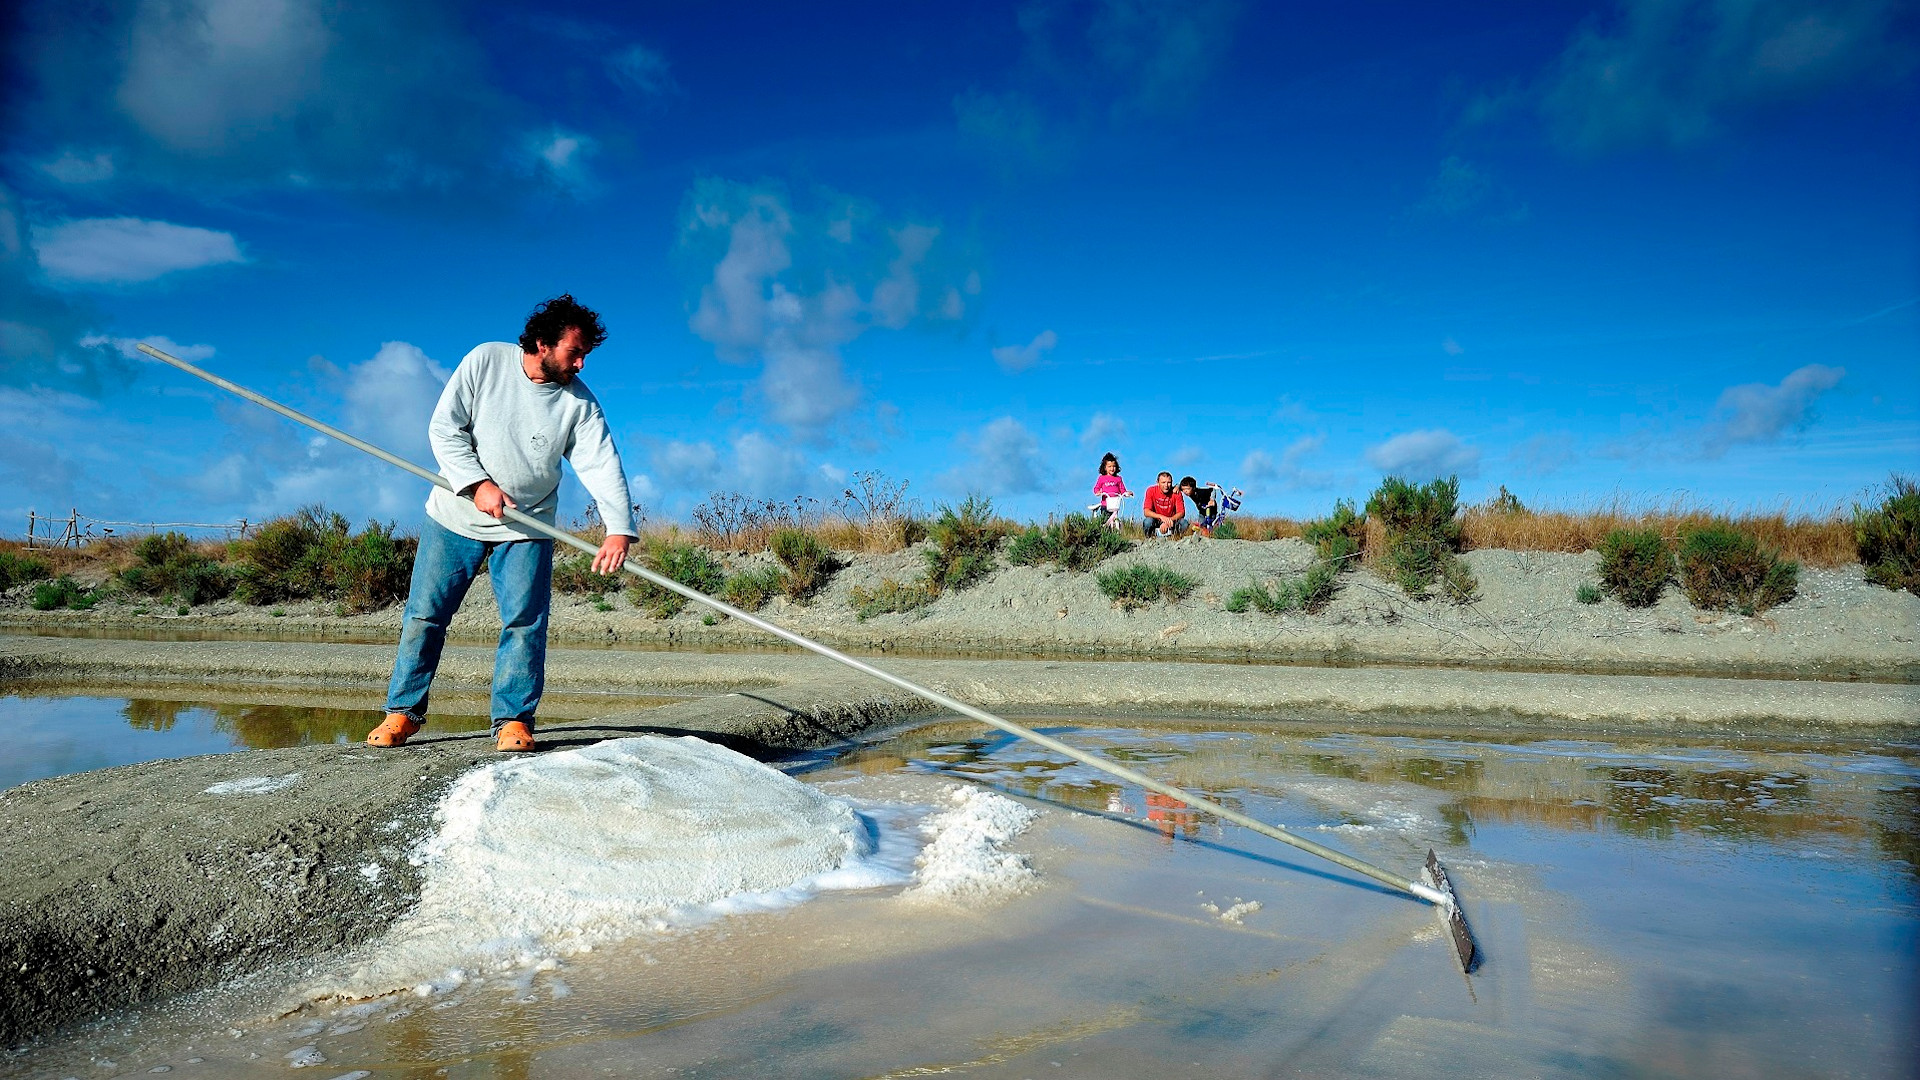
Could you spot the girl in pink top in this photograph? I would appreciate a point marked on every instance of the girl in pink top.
(1110, 490)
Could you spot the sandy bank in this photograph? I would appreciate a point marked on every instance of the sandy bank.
(1838, 626)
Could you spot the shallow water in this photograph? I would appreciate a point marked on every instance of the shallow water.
(55, 734)
(1646, 907)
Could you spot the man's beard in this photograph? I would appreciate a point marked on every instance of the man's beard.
(556, 372)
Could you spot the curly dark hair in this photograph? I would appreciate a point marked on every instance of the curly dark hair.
(553, 318)
(1104, 458)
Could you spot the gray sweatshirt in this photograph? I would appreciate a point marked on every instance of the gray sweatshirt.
(494, 423)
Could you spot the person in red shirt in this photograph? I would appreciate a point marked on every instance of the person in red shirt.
(1166, 511)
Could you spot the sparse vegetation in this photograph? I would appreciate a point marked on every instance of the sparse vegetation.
(1635, 565)
(878, 515)
(168, 564)
(689, 564)
(1309, 592)
(1226, 530)
(1588, 593)
(1140, 586)
(890, 597)
(16, 569)
(1077, 542)
(1725, 569)
(750, 590)
(64, 592)
(809, 563)
(1824, 538)
(1340, 538)
(1887, 538)
(730, 521)
(964, 538)
(574, 575)
(1421, 537)
(314, 555)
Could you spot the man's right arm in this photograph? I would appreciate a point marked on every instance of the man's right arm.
(450, 433)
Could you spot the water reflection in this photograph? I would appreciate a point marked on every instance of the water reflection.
(1747, 792)
(262, 727)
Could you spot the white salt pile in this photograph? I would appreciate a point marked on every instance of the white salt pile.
(549, 855)
(964, 859)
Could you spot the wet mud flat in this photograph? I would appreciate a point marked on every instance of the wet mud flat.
(1649, 905)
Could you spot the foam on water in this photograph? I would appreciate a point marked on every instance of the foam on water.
(549, 855)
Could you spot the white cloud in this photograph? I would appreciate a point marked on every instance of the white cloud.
(1262, 472)
(130, 347)
(1005, 460)
(71, 168)
(1017, 358)
(1451, 347)
(766, 467)
(1756, 412)
(563, 155)
(1424, 455)
(1104, 429)
(204, 95)
(1188, 455)
(687, 465)
(792, 290)
(641, 488)
(640, 70)
(1677, 71)
(124, 250)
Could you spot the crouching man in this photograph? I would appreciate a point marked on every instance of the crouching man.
(504, 421)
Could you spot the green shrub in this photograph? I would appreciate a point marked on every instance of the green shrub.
(1309, 592)
(20, 569)
(370, 570)
(1724, 569)
(575, 576)
(1076, 543)
(891, 597)
(64, 592)
(1226, 530)
(750, 590)
(964, 539)
(1457, 582)
(1139, 586)
(1422, 534)
(1888, 538)
(1587, 593)
(810, 564)
(1340, 537)
(166, 564)
(688, 564)
(313, 554)
(1635, 565)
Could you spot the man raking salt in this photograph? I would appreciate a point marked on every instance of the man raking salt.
(504, 421)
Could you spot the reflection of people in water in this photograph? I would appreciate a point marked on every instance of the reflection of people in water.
(1170, 815)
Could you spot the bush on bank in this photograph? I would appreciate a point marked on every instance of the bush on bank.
(314, 554)
(168, 564)
(689, 564)
(18, 569)
(1422, 537)
(1887, 537)
(1635, 565)
(1076, 542)
(1725, 569)
(1139, 586)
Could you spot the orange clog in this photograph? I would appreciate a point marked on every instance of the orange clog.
(395, 730)
(515, 737)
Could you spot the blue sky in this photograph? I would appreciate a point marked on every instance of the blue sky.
(1639, 248)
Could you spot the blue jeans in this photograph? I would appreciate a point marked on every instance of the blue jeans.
(443, 570)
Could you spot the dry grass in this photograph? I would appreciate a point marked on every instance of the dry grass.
(1823, 538)
(1248, 527)
(99, 560)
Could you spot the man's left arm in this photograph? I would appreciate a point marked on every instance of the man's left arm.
(597, 462)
